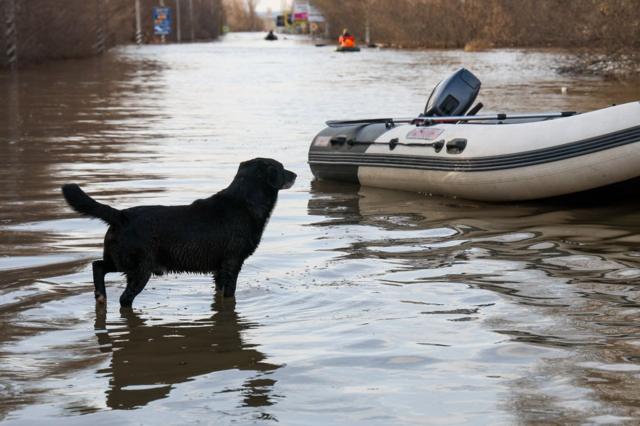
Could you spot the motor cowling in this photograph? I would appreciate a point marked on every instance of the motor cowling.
(454, 95)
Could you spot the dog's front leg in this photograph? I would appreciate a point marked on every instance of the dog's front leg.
(136, 280)
(227, 276)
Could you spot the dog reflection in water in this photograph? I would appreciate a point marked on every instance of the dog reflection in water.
(148, 360)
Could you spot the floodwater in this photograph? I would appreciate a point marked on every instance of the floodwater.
(361, 306)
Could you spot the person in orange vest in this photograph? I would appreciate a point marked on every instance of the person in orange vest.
(346, 39)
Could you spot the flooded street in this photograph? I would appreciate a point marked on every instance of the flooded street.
(360, 306)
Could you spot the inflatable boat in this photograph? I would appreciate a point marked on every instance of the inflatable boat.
(271, 36)
(347, 49)
(499, 157)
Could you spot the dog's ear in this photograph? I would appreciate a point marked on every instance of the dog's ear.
(275, 177)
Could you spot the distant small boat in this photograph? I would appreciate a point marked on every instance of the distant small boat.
(497, 157)
(347, 49)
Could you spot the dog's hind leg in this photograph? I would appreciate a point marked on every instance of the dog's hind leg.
(227, 277)
(136, 280)
(100, 269)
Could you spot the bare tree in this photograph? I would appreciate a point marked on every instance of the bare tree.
(251, 8)
(241, 15)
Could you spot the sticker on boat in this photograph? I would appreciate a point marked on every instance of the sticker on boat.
(322, 141)
(424, 133)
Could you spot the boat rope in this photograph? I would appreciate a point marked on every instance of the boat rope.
(429, 121)
(341, 140)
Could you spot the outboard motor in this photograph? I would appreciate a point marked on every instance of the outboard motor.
(454, 95)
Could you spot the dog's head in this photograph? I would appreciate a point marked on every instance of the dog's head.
(268, 170)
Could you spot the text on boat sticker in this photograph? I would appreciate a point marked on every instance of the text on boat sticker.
(426, 133)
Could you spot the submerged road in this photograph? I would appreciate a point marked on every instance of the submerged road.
(361, 306)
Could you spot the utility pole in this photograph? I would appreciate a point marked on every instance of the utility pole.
(162, 37)
(11, 34)
(251, 5)
(138, 24)
(178, 23)
(191, 20)
(367, 24)
(367, 30)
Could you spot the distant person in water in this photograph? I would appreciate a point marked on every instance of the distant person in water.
(271, 36)
(346, 39)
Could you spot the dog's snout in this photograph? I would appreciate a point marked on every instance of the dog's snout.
(289, 179)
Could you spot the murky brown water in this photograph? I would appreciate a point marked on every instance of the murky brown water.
(361, 306)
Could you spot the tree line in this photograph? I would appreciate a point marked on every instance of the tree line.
(45, 29)
(604, 33)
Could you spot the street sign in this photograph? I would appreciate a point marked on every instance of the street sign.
(284, 20)
(300, 16)
(315, 15)
(300, 10)
(161, 21)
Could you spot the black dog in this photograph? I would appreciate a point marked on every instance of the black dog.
(214, 235)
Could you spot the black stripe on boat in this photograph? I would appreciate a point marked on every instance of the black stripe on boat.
(357, 158)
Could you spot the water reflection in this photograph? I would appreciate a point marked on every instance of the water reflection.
(148, 359)
(571, 263)
(73, 116)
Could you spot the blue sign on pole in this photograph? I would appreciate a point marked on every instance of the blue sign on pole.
(161, 21)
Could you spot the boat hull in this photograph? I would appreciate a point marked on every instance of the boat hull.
(490, 162)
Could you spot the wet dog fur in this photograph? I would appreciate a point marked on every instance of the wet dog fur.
(212, 235)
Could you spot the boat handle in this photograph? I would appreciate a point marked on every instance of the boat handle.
(456, 146)
(437, 145)
(338, 140)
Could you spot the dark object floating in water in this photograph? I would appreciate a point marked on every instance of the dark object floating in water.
(271, 36)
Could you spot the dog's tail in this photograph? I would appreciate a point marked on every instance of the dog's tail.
(82, 203)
